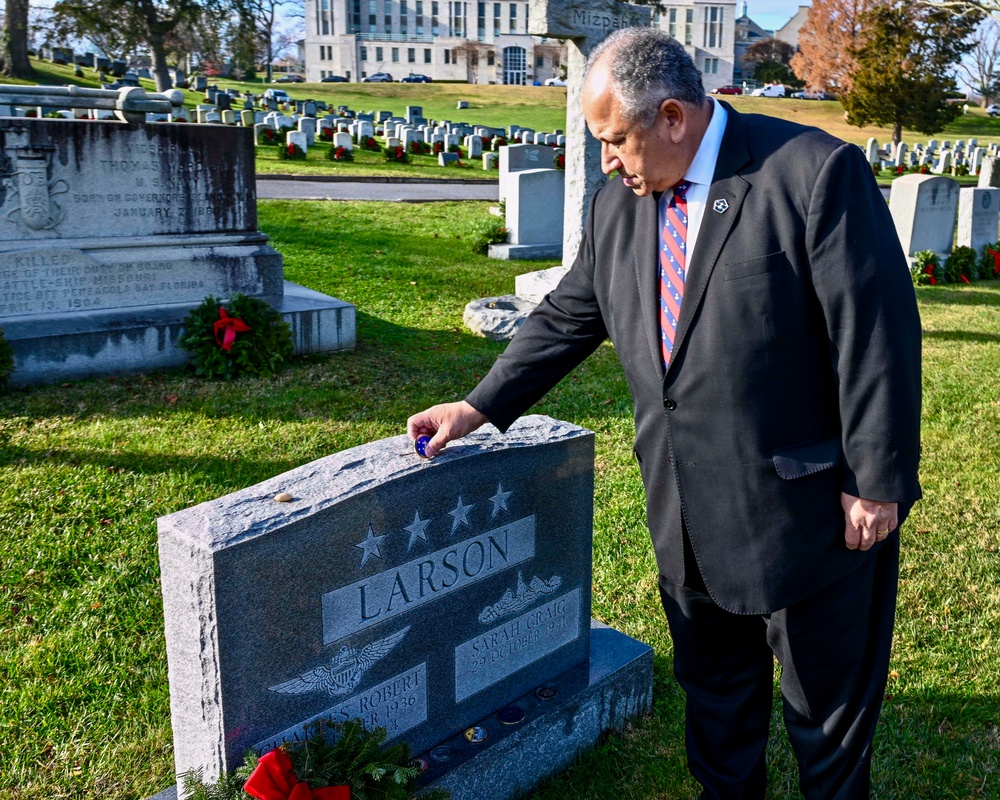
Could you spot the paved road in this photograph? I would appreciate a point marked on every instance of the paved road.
(392, 192)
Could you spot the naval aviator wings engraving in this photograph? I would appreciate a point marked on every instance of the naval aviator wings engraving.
(345, 670)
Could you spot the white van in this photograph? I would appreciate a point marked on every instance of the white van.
(771, 90)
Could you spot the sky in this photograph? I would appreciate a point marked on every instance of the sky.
(770, 14)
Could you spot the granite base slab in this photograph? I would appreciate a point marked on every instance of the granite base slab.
(586, 702)
(526, 252)
(85, 344)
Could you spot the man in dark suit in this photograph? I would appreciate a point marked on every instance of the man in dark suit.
(747, 271)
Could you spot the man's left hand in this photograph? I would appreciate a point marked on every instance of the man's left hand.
(867, 521)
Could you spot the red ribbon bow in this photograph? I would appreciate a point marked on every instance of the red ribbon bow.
(228, 326)
(929, 272)
(274, 779)
(996, 261)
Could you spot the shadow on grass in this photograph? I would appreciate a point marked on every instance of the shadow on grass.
(963, 336)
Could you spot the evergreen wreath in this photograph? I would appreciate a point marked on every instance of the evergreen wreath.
(962, 265)
(333, 754)
(246, 336)
(6, 361)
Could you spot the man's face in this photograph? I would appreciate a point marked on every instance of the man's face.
(648, 159)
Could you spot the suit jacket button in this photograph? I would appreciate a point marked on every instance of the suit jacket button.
(669, 403)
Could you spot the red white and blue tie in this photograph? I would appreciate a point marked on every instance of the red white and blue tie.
(673, 267)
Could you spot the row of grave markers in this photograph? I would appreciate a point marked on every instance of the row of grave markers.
(940, 158)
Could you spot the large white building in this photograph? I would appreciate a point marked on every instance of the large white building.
(483, 41)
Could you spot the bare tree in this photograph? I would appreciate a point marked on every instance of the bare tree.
(981, 65)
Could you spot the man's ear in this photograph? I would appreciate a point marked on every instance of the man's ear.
(673, 116)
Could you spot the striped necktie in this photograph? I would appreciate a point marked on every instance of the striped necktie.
(673, 267)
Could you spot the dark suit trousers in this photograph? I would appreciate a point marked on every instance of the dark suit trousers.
(833, 648)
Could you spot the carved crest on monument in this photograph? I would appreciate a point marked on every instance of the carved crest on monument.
(29, 196)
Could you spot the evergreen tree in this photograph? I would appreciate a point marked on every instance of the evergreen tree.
(902, 74)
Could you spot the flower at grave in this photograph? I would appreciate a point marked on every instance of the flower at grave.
(900, 169)
(226, 328)
(559, 162)
(371, 144)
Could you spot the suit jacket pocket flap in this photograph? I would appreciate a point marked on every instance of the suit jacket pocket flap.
(756, 266)
(806, 459)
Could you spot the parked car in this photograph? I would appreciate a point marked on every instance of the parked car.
(772, 90)
(414, 77)
(805, 94)
(291, 79)
(555, 82)
(333, 79)
(378, 77)
(728, 89)
(280, 95)
(993, 110)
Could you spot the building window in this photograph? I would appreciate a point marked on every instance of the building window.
(513, 18)
(491, 59)
(481, 20)
(411, 55)
(539, 62)
(672, 22)
(496, 19)
(395, 55)
(364, 53)
(456, 21)
(404, 21)
(434, 18)
(378, 54)
(427, 55)
(326, 27)
(420, 17)
(689, 26)
(356, 16)
(447, 56)
(372, 23)
(712, 36)
(711, 66)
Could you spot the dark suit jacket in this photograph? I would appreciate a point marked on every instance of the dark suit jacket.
(796, 368)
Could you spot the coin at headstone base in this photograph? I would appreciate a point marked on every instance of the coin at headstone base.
(441, 753)
(283, 497)
(545, 693)
(420, 763)
(475, 734)
(420, 445)
(510, 715)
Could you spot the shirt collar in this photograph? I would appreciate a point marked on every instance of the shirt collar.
(702, 169)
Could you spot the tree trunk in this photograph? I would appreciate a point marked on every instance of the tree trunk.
(897, 134)
(161, 73)
(15, 41)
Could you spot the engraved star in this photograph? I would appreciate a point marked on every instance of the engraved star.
(460, 515)
(418, 530)
(499, 500)
(370, 545)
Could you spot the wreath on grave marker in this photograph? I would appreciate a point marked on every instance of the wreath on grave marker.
(497, 143)
(339, 153)
(926, 269)
(291, 152)
(371, 144)
(454, 148)
(559, 162)
(396, 154)
(989, 264)
(246, 336)
(438, 147)
(268, 136)
(336, 761)
(961, 266)
(326, 134)
(419, 148)
(6, 361)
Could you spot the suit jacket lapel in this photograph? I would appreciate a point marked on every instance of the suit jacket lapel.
(725, 200)
(646, 255)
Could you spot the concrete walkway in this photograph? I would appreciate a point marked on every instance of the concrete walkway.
(311, 187)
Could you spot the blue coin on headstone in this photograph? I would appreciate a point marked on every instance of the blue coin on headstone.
(420, 445)
(441, 753)
(545, 693)
(510, 715)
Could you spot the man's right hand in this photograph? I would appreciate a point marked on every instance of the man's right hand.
(443, 423)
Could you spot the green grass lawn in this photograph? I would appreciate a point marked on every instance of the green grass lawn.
(87, 467)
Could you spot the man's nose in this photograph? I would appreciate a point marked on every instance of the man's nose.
(609, 161)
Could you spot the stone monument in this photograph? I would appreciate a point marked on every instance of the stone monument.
(424, 596)
(923, 209)
(111, 232)
(585, 25)
(978, 217)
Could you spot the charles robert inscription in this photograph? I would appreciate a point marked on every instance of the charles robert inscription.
(398, 704)
(422, 580)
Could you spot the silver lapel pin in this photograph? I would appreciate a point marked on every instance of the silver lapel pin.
(721, 206)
